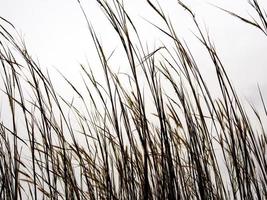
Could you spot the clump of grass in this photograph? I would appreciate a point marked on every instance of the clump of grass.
(129, 140)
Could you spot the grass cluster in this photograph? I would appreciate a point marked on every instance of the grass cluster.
(128, 138)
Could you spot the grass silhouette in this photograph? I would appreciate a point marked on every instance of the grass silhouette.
(112, 146)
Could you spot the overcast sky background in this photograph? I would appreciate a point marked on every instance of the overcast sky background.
(56, 34)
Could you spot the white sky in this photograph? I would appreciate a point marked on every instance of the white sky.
(56, 33)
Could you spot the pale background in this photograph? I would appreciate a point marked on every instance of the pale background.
(56, 35)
